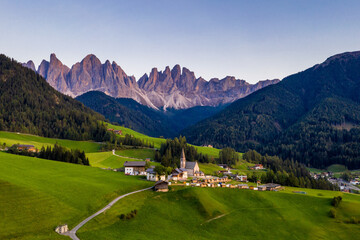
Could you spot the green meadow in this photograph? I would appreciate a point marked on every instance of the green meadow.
(11, 138)
(206, 213)
(37, 195)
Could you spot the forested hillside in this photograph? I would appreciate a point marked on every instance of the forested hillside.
(28, 104)
(312, 117)
(131, 114)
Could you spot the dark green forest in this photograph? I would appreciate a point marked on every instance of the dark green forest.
(312, 117)
(129, 113)
(285, 172)
(28, 104)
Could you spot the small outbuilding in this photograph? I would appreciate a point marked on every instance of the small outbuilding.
(161, 186)
(61, 229)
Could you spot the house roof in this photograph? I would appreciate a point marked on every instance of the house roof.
(150, 170)
(23, 145)
(161, 184)
(134, 164)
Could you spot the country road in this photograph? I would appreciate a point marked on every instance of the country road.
(72, 232)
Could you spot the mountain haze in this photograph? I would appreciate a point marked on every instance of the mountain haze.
(176, 88)
(312, 116)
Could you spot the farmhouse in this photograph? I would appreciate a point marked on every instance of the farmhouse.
(243, 186)
(161, 186)
(257, 167)
(179, 174)
(135, 167)
(192, 168)
(29, 148)
(151, 175)
(241, 178)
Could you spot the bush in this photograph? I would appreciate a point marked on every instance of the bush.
(336, 201)
(353, 220)
(129, 215)
(122, 216)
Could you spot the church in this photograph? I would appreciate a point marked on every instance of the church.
(192, 168)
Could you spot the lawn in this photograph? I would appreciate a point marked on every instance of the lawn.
(108, 160)
(209, 168)
(37, 195)
(191, 213)
(11, 138)
(141, 153)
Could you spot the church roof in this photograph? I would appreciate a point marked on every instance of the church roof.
(190, 165)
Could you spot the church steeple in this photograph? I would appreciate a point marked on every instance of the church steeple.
(182, 159)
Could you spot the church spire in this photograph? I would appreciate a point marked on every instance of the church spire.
(182, 159)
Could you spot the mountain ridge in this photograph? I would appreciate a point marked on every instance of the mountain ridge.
(300, 118)
(172, 88)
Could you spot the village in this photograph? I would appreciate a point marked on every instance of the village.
(189, 174)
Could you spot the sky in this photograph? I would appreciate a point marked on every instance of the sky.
(252, 40)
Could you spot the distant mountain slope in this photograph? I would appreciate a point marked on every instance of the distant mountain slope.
(29, 104)
(177, 88)
(312, 116)
(127, 112)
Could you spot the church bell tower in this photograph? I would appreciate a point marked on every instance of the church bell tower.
(182, 159)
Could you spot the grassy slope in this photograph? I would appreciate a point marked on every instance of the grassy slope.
(37, 194)
(11, 138)
(141, 153)
(183, 214)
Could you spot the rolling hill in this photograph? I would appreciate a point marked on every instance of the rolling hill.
(206, 213)
(312, 117)
(29, 104)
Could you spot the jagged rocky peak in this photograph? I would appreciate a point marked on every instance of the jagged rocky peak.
(30, 64)
(171, 88)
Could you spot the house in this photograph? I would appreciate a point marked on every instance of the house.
(269, 187)
(179, 174)
(61, 229)
(161, 186)
(118, 132)
(241, 178)
(224, 166)
(256, 167)
(135, 167)
(151, 175)
(209, 146)
(192, 168)
(29, 148)
(243, 186)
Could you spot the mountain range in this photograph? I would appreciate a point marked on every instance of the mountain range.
(176, 88)
(28, 104)
(312, 116)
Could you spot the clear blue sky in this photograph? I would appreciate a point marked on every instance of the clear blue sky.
(250, 40)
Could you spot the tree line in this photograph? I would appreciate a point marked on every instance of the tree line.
(56, 153)
(285, 172)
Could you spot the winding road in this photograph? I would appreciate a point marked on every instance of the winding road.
(72, 232)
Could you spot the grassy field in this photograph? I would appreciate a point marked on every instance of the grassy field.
(156, 141)
(191, 213)
(141, 153)
(11, 138)
(37, 195)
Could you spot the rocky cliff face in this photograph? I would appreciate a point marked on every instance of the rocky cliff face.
(30, 64)
(176, 88)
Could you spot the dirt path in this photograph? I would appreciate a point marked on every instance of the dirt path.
(113, 151)
(223, 215)
(72, 232)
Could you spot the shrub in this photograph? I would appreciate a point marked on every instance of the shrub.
(336, 201)
(122, 216)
